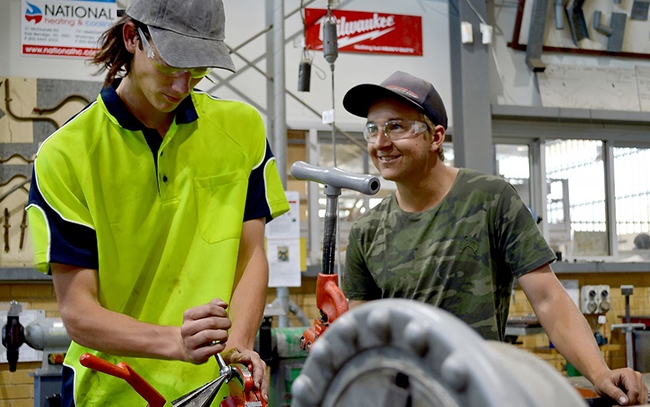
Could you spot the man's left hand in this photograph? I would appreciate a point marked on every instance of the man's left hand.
(254, 362)
(623, 385)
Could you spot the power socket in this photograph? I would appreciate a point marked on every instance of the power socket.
(588, 299)
(595, 299)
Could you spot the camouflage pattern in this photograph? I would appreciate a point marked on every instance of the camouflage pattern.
(462, 255)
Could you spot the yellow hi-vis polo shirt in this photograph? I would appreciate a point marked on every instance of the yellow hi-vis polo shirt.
(159, 218)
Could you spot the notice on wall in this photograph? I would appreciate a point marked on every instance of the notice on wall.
(284, 262)
(65, 28)
(286, 226)
(283, 245)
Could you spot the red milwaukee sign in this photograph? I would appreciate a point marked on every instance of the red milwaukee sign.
(361, 31)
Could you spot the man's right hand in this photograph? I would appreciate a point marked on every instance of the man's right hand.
(205, 331)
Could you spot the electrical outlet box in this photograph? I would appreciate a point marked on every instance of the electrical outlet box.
(588, 299)
(595, 299)
(604, 305)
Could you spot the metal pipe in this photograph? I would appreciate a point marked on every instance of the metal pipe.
(279, 114)
(336, 178)
(280, 127)
(24, 118)
(14, 189)
(299, 313)
(70, 98)
(329, 238)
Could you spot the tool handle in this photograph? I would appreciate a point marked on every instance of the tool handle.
(96, 363)
(335, 177)
(241, 387)
(223, 367)
(123, 371)
(143, 388)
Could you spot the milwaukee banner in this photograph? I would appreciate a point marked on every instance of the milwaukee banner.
(367, 32)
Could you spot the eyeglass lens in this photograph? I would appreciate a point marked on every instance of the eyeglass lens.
(393, 129)
(165, 69)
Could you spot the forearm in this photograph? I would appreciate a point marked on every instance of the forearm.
(563, 322)
(572, 337)
(120, 335)
(90, 324)
(248, 302)
(249, 295)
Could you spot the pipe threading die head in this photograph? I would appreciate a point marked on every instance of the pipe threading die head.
(416, 338)
(454, 372)
(346, 328)
(379, 323)
(320, 352)
(304, 391)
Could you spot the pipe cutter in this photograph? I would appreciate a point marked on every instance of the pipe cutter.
(237, 376)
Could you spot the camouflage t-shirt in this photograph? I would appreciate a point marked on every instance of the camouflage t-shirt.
(462, 255)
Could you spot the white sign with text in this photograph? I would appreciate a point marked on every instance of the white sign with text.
(65, 28)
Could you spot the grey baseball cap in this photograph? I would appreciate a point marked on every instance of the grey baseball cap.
(403, 86)
(187, 33)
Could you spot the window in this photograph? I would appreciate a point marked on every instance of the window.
(575, 201)
(513, 164)
(632, 191)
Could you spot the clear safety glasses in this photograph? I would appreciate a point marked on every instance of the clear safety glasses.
(393, 130)
(163, 68)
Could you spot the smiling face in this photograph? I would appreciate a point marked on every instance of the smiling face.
(407, 160)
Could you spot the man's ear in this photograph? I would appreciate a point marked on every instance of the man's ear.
(130, 36)
(437, 138)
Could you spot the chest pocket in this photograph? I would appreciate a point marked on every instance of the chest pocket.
(220, 202)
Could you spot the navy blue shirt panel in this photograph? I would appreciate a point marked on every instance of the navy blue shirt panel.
(70, 243)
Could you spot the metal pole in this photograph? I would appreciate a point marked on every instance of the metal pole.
(280, 127)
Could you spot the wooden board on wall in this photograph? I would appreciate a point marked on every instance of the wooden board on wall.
(31, 110)
(635, 40)
(572, 86)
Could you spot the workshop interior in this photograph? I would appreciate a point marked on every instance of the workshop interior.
(552, 96)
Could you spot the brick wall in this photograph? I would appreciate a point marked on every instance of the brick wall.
(614, 351)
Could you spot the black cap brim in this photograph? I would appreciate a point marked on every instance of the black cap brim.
(359, 99)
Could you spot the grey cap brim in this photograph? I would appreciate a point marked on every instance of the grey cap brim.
(181, 51)
(359, 99)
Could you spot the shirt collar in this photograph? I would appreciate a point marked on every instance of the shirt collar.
(185, 112)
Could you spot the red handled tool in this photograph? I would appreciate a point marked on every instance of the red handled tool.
(237, 376)
(330, 300)
(331, 303)
(240, 384)
(124, 371)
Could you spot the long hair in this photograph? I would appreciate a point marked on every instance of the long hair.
(113, 57)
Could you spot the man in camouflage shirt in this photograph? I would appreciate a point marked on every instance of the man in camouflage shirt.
(456, 238)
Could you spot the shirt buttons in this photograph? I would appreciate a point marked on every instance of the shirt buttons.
(164, 178)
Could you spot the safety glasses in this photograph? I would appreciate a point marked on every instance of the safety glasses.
(163, 68)
(393, 130)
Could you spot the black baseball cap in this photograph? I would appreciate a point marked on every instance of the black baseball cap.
(404, 86)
